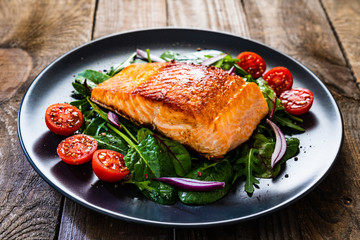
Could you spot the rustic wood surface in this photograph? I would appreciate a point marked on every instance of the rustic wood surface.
(322, 34)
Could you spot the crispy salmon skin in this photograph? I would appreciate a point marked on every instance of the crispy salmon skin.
(202, 107)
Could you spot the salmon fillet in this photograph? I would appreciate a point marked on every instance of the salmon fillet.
(201, 107)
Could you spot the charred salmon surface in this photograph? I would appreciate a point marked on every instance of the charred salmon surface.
(202, 107)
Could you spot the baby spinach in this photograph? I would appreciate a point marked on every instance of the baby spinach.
(158, 192)
(219, 171)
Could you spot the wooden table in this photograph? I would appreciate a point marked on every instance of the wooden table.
(323, 35)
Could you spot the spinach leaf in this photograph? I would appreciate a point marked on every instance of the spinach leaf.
(179, 155)
(176, 152)
(219, 171)
(154, 160)
(142, 172)
(158, 192)
(94, 77)
(81, 104)
(81, 89)
(112, 142)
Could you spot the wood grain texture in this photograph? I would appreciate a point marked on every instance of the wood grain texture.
(117, 16)
(227, 16)
(79, 222)
(345, 19)
(321, 34)
(301, 30)
(35, 32)
(15, 66)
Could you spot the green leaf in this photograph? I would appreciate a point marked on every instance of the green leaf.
(282, 119)
(81, 89)
(219, 171)
(94, 77)
(114, 70)
(250, 165)
(158, 192)
(179, 155)
(82, 104)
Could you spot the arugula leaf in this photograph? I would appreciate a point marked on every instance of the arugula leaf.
(250, 165)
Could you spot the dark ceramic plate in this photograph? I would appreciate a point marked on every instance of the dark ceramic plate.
(320, 144)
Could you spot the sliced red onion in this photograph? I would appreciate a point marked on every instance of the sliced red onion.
(143, 54)
(280, 144)
(212, 60)
(113, 118)
(273, 108)
(192, 184)
(232, 71)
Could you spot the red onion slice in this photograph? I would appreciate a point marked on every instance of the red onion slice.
(113, 118)
(212, 60)
(280, 144)
(232, 71)
(192, 184)
(143, 54)
(273, 108)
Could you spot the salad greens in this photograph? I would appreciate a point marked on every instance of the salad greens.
(149, 155)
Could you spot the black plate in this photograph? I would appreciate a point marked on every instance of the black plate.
(320, 144)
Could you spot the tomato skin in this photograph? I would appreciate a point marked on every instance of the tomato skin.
(252, 63)
(63, 119)
(109, 166)
(279, 79)
(297, 101)
(77, 149)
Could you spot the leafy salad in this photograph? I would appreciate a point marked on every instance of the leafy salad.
(163, 169)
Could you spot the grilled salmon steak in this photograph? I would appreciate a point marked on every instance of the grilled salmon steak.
(201, 107)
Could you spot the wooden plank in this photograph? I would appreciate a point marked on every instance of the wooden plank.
(29, 208)
(345, 18)
(15, 66)
(301, 29)
(116, 16)
(227, 16)
(79, 222)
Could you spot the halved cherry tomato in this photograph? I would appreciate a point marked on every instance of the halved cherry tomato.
(252, 63)
(63, 119)
(297, 101)
(109, 165)
(279, 79)
(77, 149)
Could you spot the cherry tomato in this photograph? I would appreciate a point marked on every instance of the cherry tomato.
(77, 149)
(279, 79)
(109, 165)
(63, 119)
(297, 101)
(252, 63)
